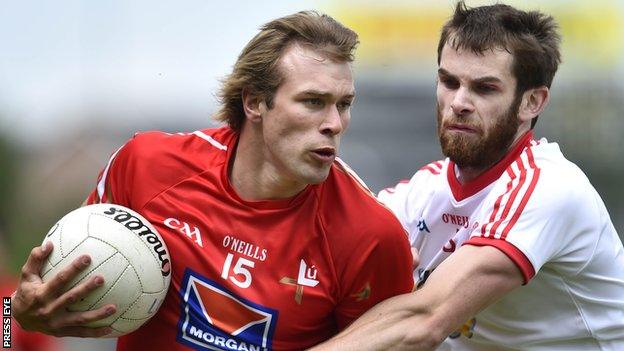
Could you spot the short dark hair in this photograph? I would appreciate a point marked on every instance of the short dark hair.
(532, 38)
(257, 66)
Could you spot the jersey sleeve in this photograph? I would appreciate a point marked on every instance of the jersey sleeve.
(116, 181)
(533, 217)
(102, 193)
(377, 270)
(407, 199)
(395, 198)
(135, 173)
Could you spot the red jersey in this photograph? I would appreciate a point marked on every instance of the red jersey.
(253, 275)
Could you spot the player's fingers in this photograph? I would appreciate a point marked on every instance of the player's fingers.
(35, 260)
(80, 319)
(54, 286)
(76, 293)
(83, 332)
(415, 258)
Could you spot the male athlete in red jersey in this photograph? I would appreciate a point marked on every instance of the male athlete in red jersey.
(275, 244)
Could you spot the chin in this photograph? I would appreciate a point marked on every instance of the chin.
(317, 179)
(315, 176)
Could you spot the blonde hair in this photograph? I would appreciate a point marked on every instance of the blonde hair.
(256, 69)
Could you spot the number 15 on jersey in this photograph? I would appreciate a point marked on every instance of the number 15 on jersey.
(240, 275)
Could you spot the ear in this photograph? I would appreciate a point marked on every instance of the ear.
(533, 103)
(253, 106)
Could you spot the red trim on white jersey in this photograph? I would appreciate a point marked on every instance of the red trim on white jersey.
(392, 190)
(433, 167)
(517, 256)
(497, 204)
(527, 194)
(461, 192)
(521, 184)
(509, 201)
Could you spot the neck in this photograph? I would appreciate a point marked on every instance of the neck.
(253, 174)
(467, 174)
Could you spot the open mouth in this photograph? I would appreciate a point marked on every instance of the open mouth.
(325, 154)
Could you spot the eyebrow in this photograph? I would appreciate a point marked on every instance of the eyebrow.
(324, 94)
(485, 79)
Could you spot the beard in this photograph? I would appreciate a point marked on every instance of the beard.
(484, 149)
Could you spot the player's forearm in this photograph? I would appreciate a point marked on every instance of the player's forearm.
(391, 325)
(468, 281)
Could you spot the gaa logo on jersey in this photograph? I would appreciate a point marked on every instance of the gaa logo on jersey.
(213, 318)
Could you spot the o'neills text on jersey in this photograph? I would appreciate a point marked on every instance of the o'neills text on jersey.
(461, 221)
(245, 248)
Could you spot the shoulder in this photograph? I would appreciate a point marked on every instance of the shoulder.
(158, 148)
(433, 171)
(433, 168)
(545, 207)
(543, 174)
(539, 192)
(351, 210)
(416, 191)
(358, 228)
(151, 162)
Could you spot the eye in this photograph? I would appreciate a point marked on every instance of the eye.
(485, 89)
(313, 102)
(449, 83)
(345, 105)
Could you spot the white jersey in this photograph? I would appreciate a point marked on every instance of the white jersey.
(541, 211)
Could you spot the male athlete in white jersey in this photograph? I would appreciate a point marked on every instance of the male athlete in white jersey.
(516, 247)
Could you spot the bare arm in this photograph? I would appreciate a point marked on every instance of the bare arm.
(468, 281)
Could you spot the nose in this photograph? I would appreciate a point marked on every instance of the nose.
(334, 122)
(461, 105)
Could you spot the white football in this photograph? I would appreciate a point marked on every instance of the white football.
(126, 250)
